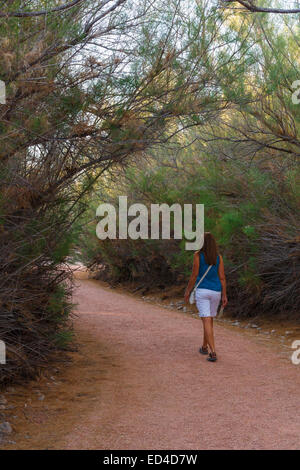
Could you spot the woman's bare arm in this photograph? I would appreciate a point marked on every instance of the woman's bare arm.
(193, 277)
(222, 277)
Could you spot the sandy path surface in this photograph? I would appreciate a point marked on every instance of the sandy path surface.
(161, 394)
(138, 382)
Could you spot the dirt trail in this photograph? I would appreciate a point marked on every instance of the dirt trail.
(139, 383)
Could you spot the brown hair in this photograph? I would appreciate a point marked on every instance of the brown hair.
(209, 249)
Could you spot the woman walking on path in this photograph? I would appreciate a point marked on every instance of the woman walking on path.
(210, 291)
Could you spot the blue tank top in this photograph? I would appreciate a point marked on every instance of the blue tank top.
(211, 280)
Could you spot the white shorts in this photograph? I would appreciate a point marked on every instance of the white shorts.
(207, 302)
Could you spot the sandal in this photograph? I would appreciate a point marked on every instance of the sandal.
(203, 350)
(212, 357)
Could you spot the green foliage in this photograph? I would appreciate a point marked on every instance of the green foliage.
(64, 338)
(62, 249)
(58, 304)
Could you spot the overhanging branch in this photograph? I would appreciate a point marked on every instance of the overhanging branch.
(24, 14)
(249, 5)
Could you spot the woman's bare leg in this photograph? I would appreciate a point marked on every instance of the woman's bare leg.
(208, 332)
(205, 342)
(213, 334)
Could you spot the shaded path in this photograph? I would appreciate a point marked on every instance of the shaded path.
(157, 392)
